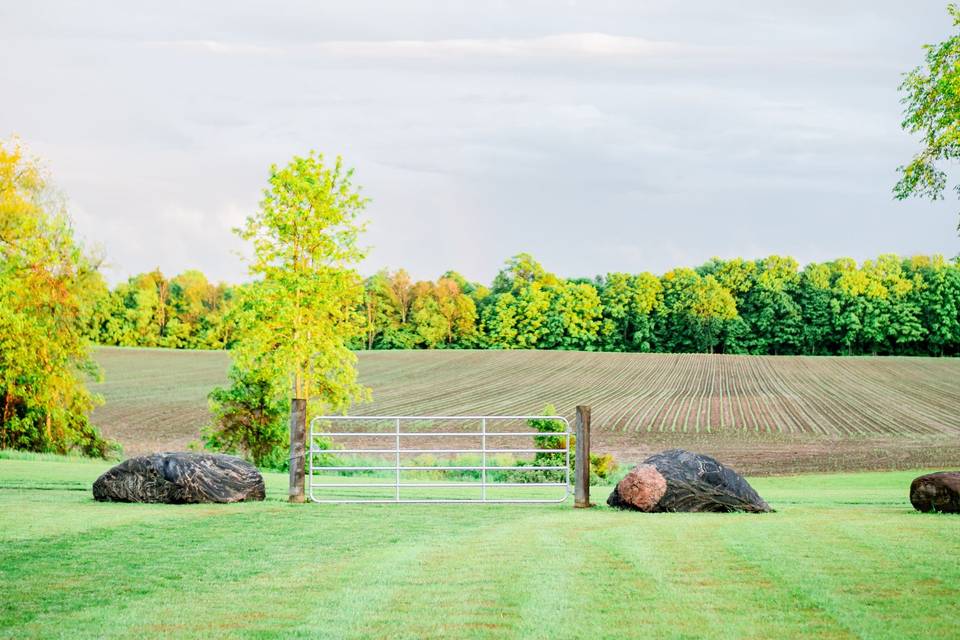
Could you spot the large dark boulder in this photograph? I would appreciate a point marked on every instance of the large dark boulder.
(181, 478)
(678, 480)
(936, 492)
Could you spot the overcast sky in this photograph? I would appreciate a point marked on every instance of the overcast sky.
(599, 136)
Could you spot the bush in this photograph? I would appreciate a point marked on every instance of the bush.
(250, 420)
(601, 466)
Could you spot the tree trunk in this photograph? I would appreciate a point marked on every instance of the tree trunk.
(6, 416)
(298, 436)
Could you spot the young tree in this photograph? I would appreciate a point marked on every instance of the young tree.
(400, 291)
(47, 287)
(932, 109)
(374, 308)
(306, 306)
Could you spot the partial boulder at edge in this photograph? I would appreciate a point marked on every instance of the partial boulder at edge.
(936, 492)
(678, 480)
(179, 478)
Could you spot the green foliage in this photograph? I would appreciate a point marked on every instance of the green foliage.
(249, 418)
(298, 318)
(149, 310)
(296, 321)
(47, 285)
(697, 312)
(530, 308)
(885, 306)
(548, 426)
(627, 302)
(602, 467)
(401, 314)
(931, 99)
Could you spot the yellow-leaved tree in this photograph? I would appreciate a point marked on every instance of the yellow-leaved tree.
(303, 309)
(48, 285)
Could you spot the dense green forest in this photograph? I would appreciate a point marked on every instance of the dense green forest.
(886, 306)
(150, 310)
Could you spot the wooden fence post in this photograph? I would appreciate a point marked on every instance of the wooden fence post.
(582, 470)
(298, 439)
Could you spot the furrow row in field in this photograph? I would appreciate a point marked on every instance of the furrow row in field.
(878, 415)
(838, 408)
(162, 394)
(939, 404)
(665, 389)
(815, 393)
(669, 393)
(615, 391)
(691, 419)
(792, 415)
(801, 418)
(700, 414)
(642, 387)
(668, 416)
(471, 381)
(621, 387)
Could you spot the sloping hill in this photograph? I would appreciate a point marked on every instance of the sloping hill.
(764, 413)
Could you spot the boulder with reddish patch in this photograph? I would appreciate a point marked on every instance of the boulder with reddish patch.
(642, 488)
(179, 478)
(936, 492)
(678, 480)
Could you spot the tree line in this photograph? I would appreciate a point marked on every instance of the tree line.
(151, 310)
(769, 306)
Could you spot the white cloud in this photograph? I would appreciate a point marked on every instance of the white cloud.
(570, 44)
(590, 45)
(216, 47)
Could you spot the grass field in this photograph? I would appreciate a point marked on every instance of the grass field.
(761, 414)
(844, 556)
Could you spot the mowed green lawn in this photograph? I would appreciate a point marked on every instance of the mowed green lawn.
(844, 556)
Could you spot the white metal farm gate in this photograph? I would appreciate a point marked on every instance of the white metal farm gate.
(397, 436)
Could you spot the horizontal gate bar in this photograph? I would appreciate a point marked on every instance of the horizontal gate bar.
(428, 434)
(445, 501)
(438, 468)
(439, 450)
(425, 418)
(431, 485)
